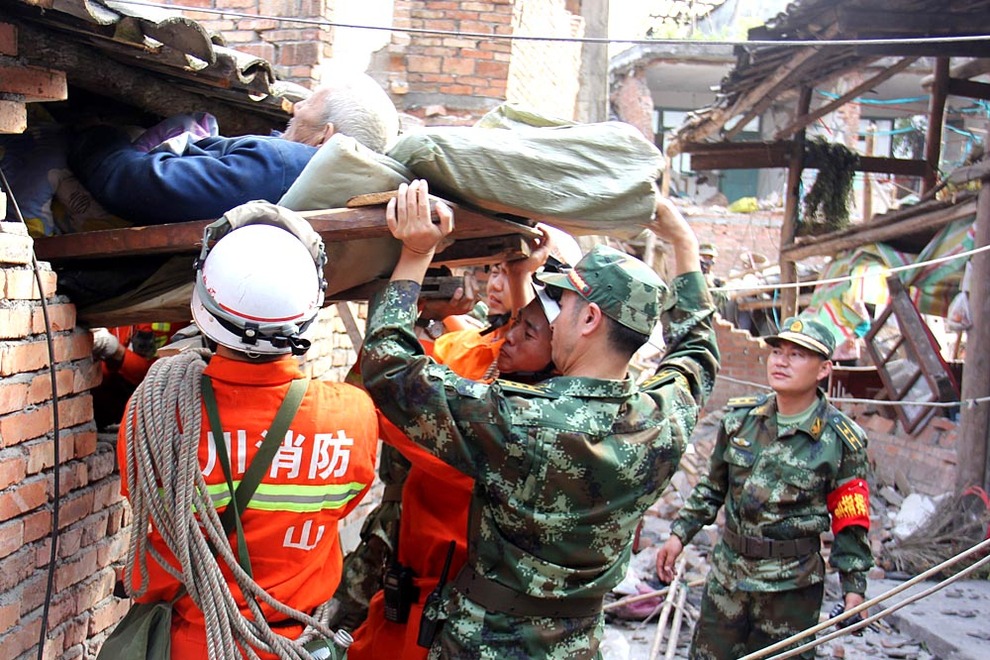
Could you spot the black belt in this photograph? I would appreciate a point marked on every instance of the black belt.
(495, 597)
(763, 548)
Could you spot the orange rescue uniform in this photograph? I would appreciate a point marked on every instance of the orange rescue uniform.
(435, 503)
(329, 453)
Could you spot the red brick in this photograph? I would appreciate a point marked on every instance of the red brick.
(23, 637)
(298, 53)
(84, 444)
(107, 614)
(87, 375)
(61, 316)
(101, 464)
(11, 537)
(75, 508)
(22, 498)
(13, 120)
(95, 591)
(15, 320)
(70, 573)
(33, 83)
(13, 394)
(37, 525)
(74, 346)
(41, 453)
(20, 283)
(22, 357)
(8, 39)
(13, 467)
(115, 520)
(9, 616)
(18, 427)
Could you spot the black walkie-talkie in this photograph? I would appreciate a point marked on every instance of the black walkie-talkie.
(430, 621)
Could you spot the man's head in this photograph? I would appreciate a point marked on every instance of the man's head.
(527, 347)
(610, 283)
(259, 287)
(352, 104)
(708, 253)
(800, 356)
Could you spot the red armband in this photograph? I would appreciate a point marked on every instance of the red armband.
(849, 504)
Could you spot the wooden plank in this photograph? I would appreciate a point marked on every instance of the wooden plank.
(936, 116)
(970, 173)
(880, 23)
(858, 235)
(186, 237)
(755, 155)
(969, 88)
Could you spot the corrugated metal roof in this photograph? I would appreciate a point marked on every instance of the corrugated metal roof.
(150, 40)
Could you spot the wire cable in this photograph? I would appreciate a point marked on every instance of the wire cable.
(56, 441)
(591, 40)
(848, 278)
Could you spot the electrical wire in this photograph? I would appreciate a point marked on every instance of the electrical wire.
(847, 278)
(592, 40)
(56, 459)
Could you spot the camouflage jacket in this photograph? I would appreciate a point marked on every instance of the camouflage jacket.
(776, 487)
(564, 470)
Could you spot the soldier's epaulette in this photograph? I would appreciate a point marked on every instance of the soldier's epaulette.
(662, 377)
(524, 388)
(747, 401)
(848, 431)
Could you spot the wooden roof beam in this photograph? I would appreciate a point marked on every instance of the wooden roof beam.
(964, 71)
(876, 233)
(755, 95)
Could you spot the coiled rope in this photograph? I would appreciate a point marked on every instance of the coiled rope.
(167, 489)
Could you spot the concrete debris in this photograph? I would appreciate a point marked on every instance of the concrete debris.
(915, 510)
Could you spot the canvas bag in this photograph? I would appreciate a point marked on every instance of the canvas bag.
(583, 178)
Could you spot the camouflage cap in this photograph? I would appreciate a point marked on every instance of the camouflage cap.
(625, 288)
(708, 250)
(806, 333)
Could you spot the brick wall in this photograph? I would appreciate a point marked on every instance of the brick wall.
(295, 50)
(92, 512)
(543, 75)
(925, 462)
(744, 359)
(632, 102)
(448, 80)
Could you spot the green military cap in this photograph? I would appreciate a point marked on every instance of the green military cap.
(708, 250)
(807, 333)
(625, 288)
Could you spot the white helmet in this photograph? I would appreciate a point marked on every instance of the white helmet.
(260, 286)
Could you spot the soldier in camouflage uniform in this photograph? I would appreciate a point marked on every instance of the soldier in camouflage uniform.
(563, 470)
(782, 466)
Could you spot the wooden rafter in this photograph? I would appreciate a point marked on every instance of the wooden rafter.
(801, 122)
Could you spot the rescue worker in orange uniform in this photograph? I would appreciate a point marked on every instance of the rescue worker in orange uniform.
(257, 291)
(125, 353)
(435, 496)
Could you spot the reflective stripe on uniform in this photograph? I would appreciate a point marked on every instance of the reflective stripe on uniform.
(294, 498)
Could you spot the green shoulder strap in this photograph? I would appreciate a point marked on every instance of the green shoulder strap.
(262, 460)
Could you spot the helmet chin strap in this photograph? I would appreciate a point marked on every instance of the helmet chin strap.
(251, 334)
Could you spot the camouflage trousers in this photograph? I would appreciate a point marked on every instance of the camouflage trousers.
(472, 632)
(734, 624)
